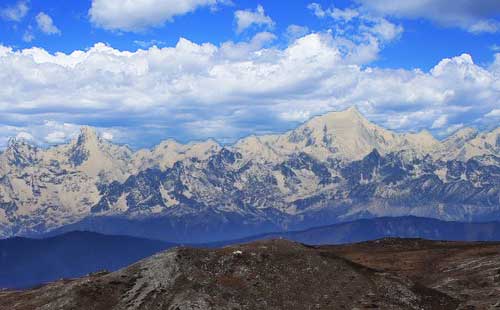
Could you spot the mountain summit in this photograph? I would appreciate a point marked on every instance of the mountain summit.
(346, 135)
(332, 168)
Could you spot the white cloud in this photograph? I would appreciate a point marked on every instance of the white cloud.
(56, 137)
(193, 91)
(46, 24)
(24, 136)
(53, 132)
(383, 29)
(247, 18)
(345, 15)
(360, 36)
(107, 135)
(440, 122)
(49, 132)
(317, 9)
(493, 113)
(296, 116)
(484, 26)
(28, 35)
(14, 13)
(474, 16)
(138, 15)
(147, 44)
(245, 50)
(295, 31)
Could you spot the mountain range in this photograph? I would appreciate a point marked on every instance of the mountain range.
(334, 168)
(388, 227)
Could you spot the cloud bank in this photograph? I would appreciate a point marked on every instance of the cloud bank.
(195, 91)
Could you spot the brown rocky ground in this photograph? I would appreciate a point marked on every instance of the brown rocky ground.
(273, 274)
(467, 271)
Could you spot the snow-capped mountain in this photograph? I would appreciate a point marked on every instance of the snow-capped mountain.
(335, 167)
(345, 135)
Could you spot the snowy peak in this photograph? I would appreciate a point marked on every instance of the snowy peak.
(84, 145)
(258, 147)
(96, 157)
(88, 135)
(460, 137)
(20, 153)
(468, 142)
(346, 135)
(168, 152)
(333, 120)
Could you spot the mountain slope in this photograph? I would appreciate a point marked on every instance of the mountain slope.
(264, 275)
(467, 271)
(26, 262)
(226, 197)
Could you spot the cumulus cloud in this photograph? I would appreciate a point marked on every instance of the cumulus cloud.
(295, 31)
(248, 18)
(107, 135)
(245, 50)
(338, 14)
(196, 91)
(139, 15)
(147, 44)
(56, 137)
(476, 16)
(46, 24)
(317, 9)
(296, 116)
(493, 113)
(49, 132)
(42, 133)
(14, 13)
(359, 35)
(28, 35)
(440, 122)
(24, 136)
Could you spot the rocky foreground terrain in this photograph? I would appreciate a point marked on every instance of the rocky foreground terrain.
(279, 274)
(466, 271)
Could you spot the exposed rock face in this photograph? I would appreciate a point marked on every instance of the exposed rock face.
(263, 275)
(335, 167)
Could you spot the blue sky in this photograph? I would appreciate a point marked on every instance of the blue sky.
(154, 69)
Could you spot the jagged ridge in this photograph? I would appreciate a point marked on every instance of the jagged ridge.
(335, 167)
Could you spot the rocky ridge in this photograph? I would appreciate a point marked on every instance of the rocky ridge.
(275, 274)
